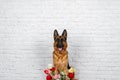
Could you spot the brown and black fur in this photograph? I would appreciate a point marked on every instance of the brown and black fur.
(60, 57)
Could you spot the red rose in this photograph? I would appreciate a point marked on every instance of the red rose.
(71, 75)
(48, 77)
(46, 71)
(52, 69)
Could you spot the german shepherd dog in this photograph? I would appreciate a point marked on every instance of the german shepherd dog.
(60, 54)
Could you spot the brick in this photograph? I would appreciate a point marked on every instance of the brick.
(26, 37)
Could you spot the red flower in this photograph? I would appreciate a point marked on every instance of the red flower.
(46, 71)
(48, 77)
(52, 69)
(71, 75)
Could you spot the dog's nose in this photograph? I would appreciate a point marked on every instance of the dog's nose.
(60, 45)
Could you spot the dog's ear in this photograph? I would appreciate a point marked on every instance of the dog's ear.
(65, 34)
(55, 34)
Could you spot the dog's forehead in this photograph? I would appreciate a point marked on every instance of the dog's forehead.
(60, 37)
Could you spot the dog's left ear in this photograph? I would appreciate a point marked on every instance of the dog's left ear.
(65, 34)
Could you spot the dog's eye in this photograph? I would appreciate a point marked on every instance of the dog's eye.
(61, 39)
(57, 39)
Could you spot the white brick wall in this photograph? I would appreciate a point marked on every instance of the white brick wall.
(26, 37)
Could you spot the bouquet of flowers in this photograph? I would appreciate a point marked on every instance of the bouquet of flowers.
(50, 72)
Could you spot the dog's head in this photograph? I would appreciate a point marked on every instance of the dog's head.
(60, 41)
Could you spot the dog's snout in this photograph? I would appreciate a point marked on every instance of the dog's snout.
(60, 43)
(60, 46)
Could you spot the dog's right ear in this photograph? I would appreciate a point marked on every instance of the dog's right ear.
(55, 34)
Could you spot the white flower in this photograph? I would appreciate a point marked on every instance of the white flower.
(50, 66)
(62, 73)
(71, 70)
